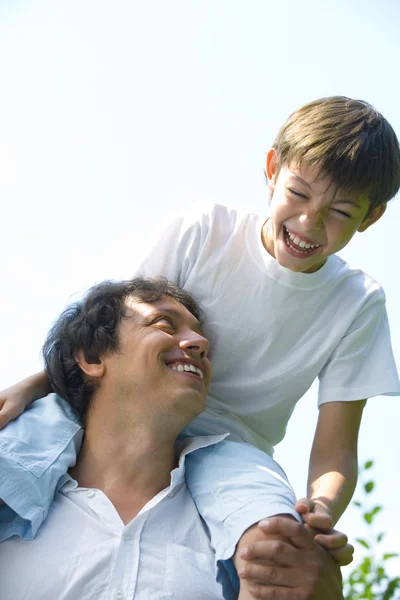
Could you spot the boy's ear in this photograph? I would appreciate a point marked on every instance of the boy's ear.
(373, 217)
(271, 168)
(92, 370)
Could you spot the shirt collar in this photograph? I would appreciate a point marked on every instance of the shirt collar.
(183, 446)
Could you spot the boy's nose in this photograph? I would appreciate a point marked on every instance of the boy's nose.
(312, 220)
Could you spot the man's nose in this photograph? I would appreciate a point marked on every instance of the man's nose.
(196, 343)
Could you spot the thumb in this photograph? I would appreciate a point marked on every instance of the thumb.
(8, 412)
(304, 505)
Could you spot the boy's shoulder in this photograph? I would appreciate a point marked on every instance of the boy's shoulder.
(216, 217)
(356, 280)
(215, 210)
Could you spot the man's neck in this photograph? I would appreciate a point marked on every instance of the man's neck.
(129, 462)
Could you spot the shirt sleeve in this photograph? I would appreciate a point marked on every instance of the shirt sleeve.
(176, 251)
(362, 365)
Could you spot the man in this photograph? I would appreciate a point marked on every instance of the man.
(132, 361)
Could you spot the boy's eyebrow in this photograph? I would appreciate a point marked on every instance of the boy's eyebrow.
(301, 180)
(341, 200)
(347, 201)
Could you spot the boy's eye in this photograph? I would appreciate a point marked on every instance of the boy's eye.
(342, 212)
(297, 194)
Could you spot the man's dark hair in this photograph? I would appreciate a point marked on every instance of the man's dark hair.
(91, 326)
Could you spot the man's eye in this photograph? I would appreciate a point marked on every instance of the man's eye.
(163, 320)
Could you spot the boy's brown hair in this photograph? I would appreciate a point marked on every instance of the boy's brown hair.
(349, 140)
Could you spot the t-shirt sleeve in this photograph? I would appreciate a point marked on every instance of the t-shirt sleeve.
(362, 365)
(175, 252)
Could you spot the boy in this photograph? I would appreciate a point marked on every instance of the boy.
(281, 310)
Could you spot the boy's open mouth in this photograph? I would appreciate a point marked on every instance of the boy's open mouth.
(297, 245)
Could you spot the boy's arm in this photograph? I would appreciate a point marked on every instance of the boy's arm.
(16, 398)
(333, 466)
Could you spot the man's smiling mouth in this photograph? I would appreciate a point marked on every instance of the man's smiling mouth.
(298, 245)
(183, 367)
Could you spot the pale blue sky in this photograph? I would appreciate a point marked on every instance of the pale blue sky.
(116, 115)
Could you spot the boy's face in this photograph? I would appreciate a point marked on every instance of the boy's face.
(310, 217)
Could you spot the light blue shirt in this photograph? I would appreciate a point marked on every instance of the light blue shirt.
(33, 462)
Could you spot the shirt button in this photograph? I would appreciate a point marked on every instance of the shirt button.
(126, 537)
(90, 493)
(119, 596)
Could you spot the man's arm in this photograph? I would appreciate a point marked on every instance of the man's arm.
(295, 567)
(16, 398)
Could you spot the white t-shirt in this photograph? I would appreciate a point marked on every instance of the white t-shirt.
(273, 331)
(83, 550)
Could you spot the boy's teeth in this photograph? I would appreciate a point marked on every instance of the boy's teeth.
(180, 368)
(299, 242)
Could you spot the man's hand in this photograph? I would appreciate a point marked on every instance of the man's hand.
(295, 569)
(318, 518)
(12, 404)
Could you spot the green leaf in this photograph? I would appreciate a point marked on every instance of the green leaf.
(380, 536)
(376, 509)
(393, 585)
(368, 464)
(363, 543)
(367, 518)
(381, 573)
(357, 503)
(369, 486)
(365, 566)
(390, 555)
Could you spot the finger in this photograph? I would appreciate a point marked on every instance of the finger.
(4, 419)
(343, 556)
(272, 552)
(274, 592)
(270, 574)
(288, 528)
(318, 521)
(335, 539)
(304, 505)
(7, 414)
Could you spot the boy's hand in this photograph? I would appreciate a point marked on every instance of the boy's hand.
(12, 404)
(317, 518)
(314, 514)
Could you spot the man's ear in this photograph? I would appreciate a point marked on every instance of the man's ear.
(271, 168)
(372, 217)
(92, 370)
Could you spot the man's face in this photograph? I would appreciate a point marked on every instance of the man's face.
(310, 217)
(162, 359)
